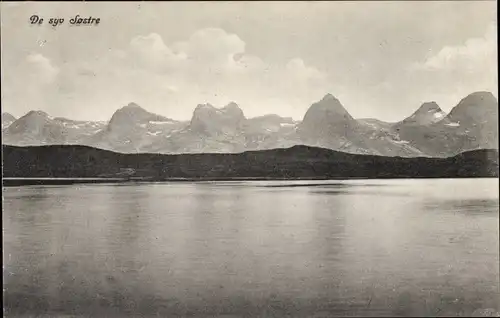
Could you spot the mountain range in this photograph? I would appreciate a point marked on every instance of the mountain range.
(430, 132)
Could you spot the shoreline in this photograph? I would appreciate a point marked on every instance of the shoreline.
(13, 182)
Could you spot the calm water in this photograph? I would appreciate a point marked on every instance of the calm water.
(302, 249)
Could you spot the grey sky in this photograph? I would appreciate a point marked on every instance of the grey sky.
(381, 59)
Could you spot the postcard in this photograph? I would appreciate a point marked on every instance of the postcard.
(250, 159)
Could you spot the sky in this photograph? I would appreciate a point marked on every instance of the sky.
(380, 59)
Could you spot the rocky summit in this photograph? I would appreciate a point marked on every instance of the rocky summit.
(428, 113)
(7, 119)
(429, 131)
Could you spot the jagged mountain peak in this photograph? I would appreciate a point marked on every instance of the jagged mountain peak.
(329, 99)
(7, 119)
(33, 117)
(481, 99)
(471, 124)
(326, 123)
(36, 126)
(127, 113)
(481, 95)
(132, 114)
(205, 106)
(208, 119)
(427, 113)
(231, 109)
(132, 105)
(6, 115)
(37, 113)
(232, 105)
(429, 106)
(329, 96)
(133, 109)
(330, 108)
(477, 107)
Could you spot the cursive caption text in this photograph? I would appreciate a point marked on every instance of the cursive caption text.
(77, 20)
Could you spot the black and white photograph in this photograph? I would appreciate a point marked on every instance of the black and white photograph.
(250, 159)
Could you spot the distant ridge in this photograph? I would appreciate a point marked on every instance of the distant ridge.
(298, 162)
(7, 119)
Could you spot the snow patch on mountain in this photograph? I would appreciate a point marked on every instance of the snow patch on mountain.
(167, 122)
(155, 133)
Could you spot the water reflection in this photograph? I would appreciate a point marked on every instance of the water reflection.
(206, 249)
(468, 207)
(35, 240)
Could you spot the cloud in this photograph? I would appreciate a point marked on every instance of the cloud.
(41, 67)
(299, 70)
(30, 85)
(474, 55)
(210, 51)
(211, 65)
(212, 46)
(151, 52)
(455, 71)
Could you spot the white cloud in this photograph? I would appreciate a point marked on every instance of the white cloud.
(212, 46)
(474, 53)
(298, 69)
(455, 71)
(31, 85)
(151, 52)
(41, 67)
(171, 79)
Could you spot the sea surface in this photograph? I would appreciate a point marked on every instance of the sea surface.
(427, 247)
